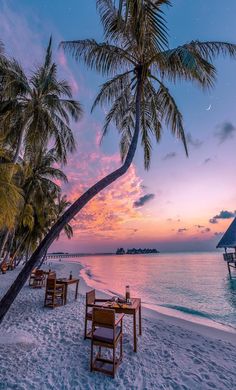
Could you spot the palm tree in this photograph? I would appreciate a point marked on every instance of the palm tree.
(41, 196)
(34, 111)
(37, 109)
(11, 196)
(60, 206)
(136, 52)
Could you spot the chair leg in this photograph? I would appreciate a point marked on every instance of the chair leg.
(91, 357)
(121, 347)
(85, 328)
(99, 351)
(114, 361)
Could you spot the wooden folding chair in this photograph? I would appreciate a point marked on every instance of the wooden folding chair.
(54, 292)
(107, 332)
(38, 280)
(90, 303)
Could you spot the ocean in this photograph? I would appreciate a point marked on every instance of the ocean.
(193, 286)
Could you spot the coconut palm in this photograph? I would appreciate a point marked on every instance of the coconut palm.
(33, 111)
(137, 59)
(41, 195)
(37, 109)
(11, 196)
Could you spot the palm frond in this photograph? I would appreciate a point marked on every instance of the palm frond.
(145, 18)
(102, 57)
(11, 196)
(212, 50)
(170, 112)
(184, 64)
(112, 89)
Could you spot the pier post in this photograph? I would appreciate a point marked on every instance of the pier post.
(229, 270)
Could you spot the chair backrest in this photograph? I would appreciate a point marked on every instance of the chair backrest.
(39, 272)
(90, 297)
(52, 275)
(51, 283)
(103, 317)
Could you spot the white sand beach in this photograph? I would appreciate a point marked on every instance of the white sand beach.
(41, 348)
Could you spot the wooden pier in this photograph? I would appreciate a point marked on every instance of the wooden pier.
(62, 255)
(230, 258)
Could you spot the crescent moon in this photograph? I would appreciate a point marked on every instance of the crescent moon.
(208, 108)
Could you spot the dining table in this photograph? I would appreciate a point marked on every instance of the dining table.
(67, 282)
(132, 309)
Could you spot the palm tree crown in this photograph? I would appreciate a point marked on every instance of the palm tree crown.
(136, 49)
(37, 109)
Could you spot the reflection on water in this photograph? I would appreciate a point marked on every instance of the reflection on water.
(195, 283)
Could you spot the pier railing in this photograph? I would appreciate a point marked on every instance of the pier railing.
(230, 257)
(62, 255)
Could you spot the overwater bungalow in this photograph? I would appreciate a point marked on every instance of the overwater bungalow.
(228, 241)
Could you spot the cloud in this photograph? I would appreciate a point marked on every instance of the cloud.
(213, 220)
(142, 200)
(218, 233)
(226, 132)
(224, 214)
(14, 25)
(199, 226)
(169, 156)
(196, 143)
(206, 230)
(182, 230)
(207, 160)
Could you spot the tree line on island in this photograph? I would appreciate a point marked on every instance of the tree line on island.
(36, 112)
(134, 251)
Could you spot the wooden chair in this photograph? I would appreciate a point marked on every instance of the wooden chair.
(54, 293)
(3, 267)
(38, 280)
(90, 303)
(107, 332)
(32, 276)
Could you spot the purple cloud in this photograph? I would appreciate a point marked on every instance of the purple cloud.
(143, 200)
(182, 230)
(196, 143)
(226, 131)
(169, 156)
(224, 214)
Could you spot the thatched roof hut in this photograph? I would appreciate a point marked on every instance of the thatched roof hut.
(229, 238)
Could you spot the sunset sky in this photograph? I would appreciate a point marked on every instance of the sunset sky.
(180, 203)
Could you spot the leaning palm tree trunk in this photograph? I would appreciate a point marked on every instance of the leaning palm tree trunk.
(15, 288)
(4, 241)
(18, 147)
(11, 241)
(18, 249)
(43, 259)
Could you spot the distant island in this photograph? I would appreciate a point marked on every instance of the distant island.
(134, 251)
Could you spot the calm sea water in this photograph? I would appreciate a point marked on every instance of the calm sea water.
(188, 284)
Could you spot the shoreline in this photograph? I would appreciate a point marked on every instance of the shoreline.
(205, 327)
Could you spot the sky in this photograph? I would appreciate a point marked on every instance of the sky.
(180, 203)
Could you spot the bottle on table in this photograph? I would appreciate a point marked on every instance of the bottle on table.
(127, 294)
(70, 277)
